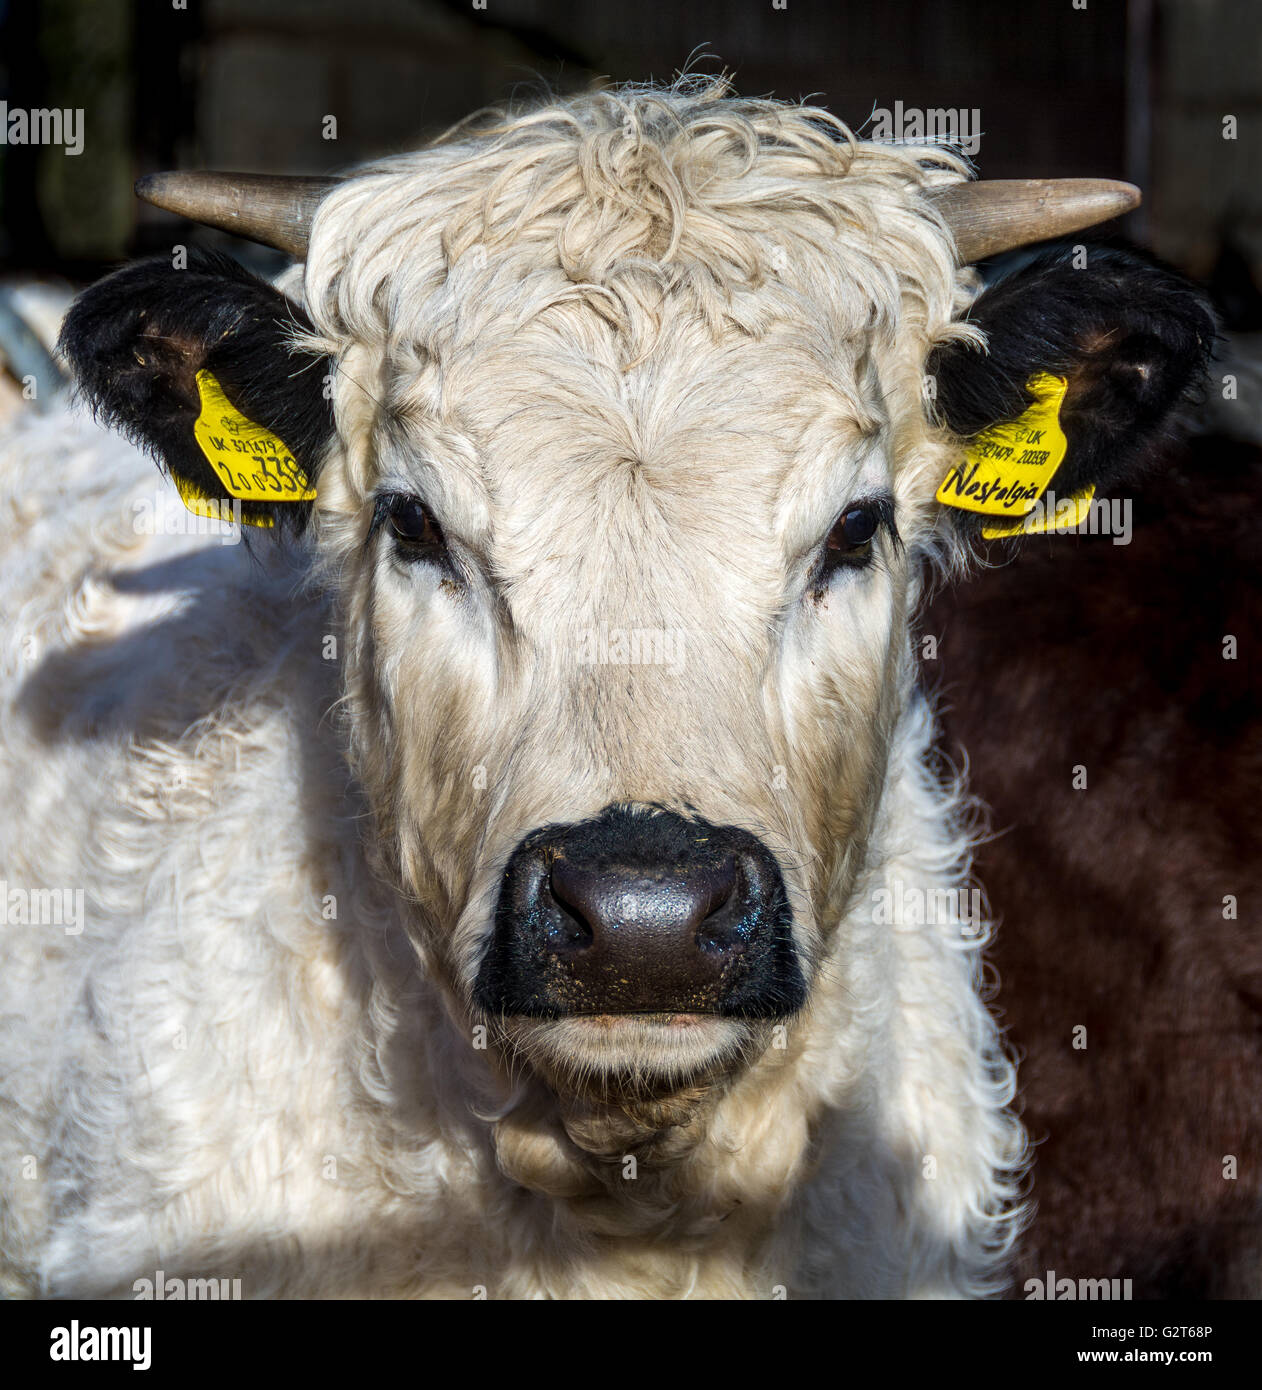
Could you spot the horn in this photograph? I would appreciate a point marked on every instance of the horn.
(275, 209)
(998, 214)
(985, 218)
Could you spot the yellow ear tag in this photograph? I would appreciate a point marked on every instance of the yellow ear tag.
(1007, 468)
(251, 462)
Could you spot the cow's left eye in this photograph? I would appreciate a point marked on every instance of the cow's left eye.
(850, 540)
(854, 529)
(416, 532)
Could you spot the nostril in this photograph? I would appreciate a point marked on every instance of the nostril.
(717, 930)
(712, 888)
(577, 912)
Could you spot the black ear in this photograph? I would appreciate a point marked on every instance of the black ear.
(137, 340)
(1131, 337)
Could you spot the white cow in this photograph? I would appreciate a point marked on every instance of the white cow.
(521, 868)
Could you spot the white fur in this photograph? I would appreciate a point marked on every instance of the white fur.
(636, 352)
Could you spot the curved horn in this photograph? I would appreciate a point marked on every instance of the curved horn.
(997, 214)
(275, 209)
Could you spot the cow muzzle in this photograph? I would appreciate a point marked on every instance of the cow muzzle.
(641, 912)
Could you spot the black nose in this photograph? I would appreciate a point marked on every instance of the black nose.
(641, 912)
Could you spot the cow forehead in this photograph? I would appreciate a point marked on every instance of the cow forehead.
(692, 415)
(552, 412)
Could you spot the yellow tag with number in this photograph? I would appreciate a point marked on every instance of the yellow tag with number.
(251, 462)
(1007, 468)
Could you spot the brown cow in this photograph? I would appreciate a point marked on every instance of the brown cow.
(1128, 905)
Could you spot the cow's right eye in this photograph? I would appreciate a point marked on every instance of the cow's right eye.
(414, 527)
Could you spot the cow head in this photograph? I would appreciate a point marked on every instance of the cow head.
(625, 475)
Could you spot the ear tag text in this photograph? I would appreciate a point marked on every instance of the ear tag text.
(251, 462)
(1007, 468)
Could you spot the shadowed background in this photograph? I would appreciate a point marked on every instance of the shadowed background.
(1136, 90)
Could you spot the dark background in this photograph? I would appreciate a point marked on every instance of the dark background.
(1134, 89)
